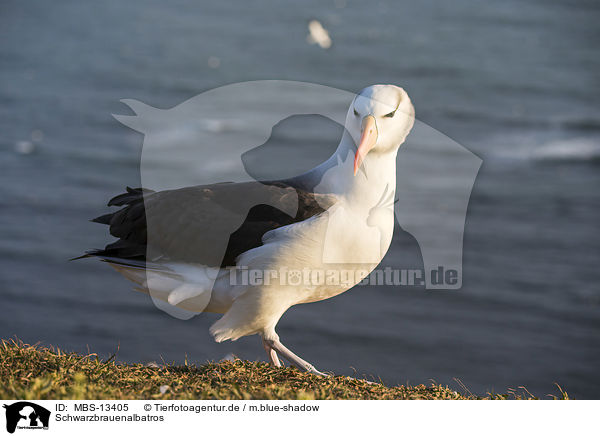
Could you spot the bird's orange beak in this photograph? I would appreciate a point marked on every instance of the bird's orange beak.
(367, 141)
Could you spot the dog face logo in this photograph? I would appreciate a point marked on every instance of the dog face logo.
(26, 415)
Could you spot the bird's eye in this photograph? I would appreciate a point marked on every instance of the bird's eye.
(390, 115)
(355, 113)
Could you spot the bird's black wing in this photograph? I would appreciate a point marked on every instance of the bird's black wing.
(209, 224)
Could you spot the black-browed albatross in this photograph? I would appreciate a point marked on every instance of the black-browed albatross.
(338, 216)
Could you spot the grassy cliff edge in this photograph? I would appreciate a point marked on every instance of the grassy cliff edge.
(35, 372)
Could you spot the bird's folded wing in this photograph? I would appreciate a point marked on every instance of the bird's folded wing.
(209, 224)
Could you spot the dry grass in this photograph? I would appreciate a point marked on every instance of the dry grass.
(34, 372)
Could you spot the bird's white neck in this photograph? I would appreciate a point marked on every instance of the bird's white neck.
(377, 173)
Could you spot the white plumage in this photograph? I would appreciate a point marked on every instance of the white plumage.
(355, 188)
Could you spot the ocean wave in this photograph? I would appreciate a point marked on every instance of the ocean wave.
(570, 150)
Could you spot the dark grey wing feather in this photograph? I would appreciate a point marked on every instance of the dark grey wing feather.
(210, 224)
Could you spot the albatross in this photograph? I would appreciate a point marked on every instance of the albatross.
(336, 217)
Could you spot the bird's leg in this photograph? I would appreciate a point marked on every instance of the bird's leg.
(275, 345)
(272, 354)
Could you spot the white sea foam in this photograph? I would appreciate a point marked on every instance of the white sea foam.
(575, 149)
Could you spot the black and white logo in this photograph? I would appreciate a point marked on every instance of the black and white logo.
(26, 415)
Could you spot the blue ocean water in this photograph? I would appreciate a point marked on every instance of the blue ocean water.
(514, 82)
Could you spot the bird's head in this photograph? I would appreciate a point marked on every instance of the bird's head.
(379, 119)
